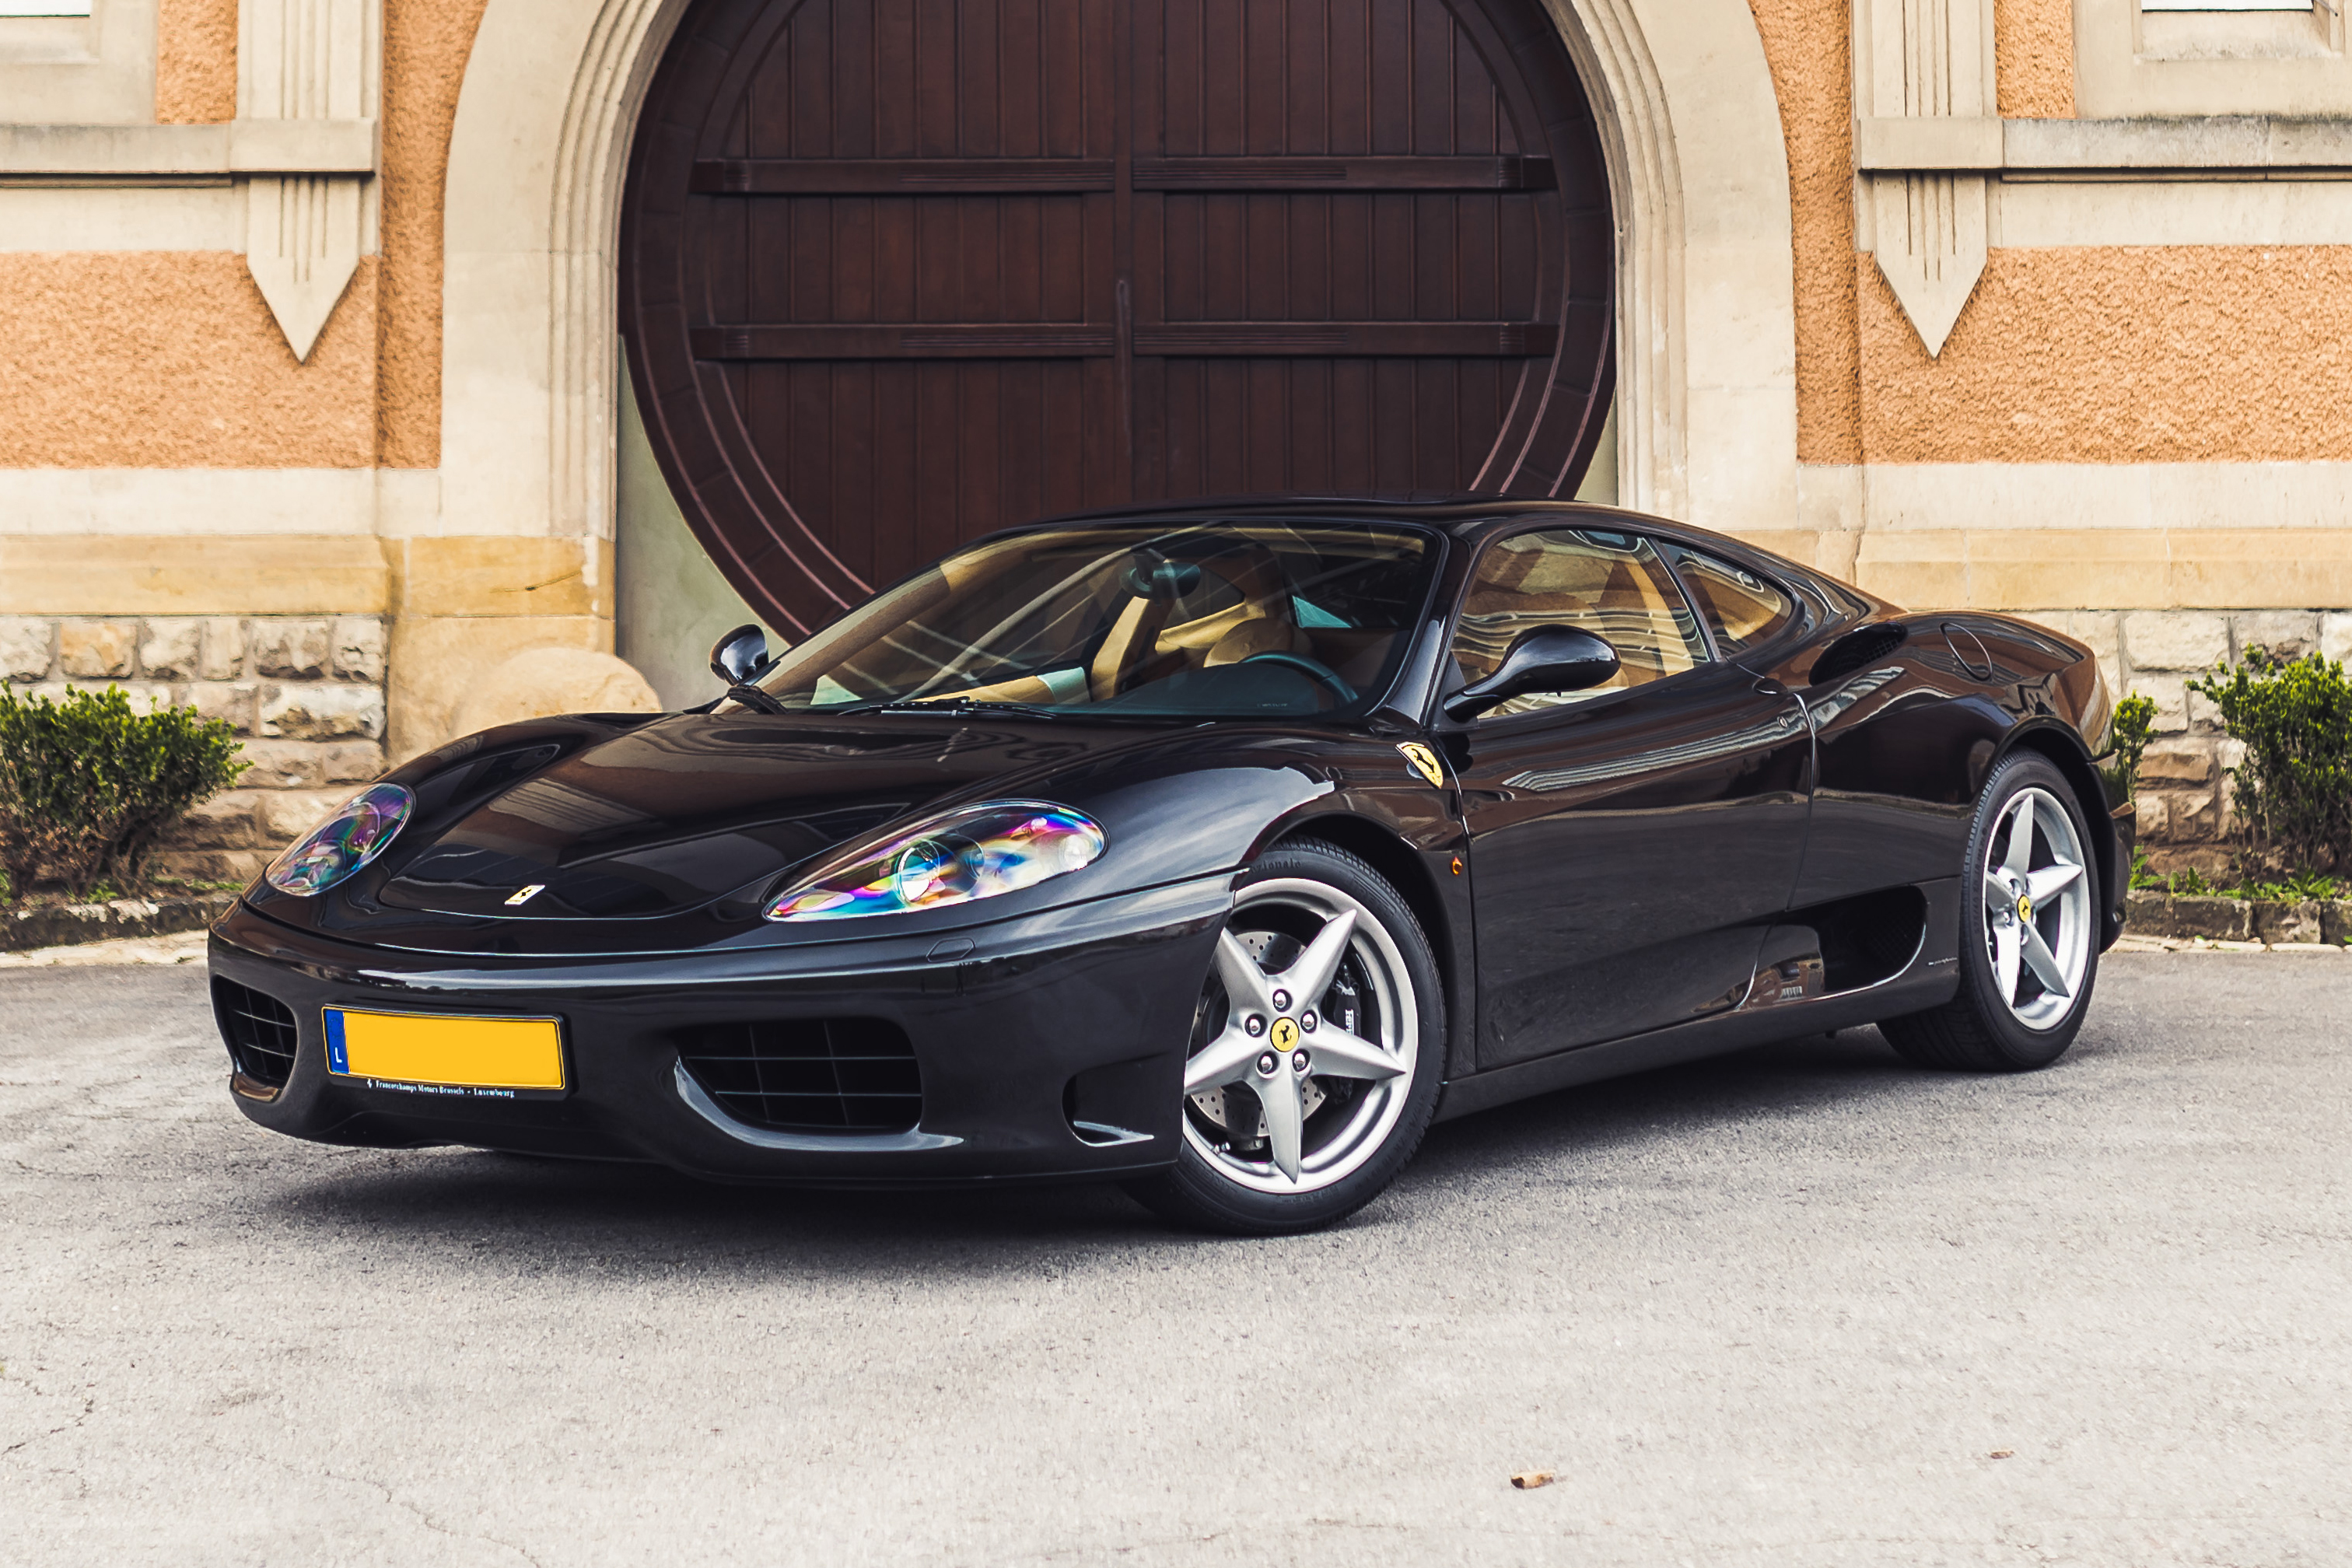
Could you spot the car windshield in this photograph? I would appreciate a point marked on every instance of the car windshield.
(1190, 619)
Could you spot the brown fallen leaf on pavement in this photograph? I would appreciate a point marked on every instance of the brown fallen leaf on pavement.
(2003, 1454)
(1528, 1480)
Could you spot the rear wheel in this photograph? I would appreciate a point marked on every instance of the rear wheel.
(1318, 1050)
(2029, 947)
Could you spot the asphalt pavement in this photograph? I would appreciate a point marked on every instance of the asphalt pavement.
(1802, 1306)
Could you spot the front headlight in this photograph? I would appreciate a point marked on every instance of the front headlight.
(974, 852)
(343, 843)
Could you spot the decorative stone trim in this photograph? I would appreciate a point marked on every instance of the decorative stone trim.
(271, 146)
(305, 61)
(2104, 149)
(1924, 102)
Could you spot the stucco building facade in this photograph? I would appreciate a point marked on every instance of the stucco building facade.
(314, 412)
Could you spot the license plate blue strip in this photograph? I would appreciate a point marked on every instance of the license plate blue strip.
(337, 1061)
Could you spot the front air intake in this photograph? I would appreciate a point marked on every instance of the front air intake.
(258, 1031)
(808, 1075)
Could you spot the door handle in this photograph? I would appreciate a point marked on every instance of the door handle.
(1771, 688)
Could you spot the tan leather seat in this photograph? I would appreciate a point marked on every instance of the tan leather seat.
(1260, 634)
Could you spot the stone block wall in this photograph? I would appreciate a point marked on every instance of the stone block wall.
(2184, 787)
(305, 693)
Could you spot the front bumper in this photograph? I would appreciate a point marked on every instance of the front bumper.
(1026, 1032)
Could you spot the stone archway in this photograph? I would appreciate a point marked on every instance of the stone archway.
(1691, 133)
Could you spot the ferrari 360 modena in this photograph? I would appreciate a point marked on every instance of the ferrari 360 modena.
(1214, 849)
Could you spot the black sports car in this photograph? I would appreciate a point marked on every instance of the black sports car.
(1216, 849)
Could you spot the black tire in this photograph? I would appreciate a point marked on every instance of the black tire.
(1196, 1194)
(1977, 1031)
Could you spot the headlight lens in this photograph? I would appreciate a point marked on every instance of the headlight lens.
(976, 852)
(343, 843)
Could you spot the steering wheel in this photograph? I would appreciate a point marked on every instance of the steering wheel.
(1321, 673)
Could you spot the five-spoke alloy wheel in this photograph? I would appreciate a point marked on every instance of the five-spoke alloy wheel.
(1318, 1048)
(2029, 940)
(2037, 909)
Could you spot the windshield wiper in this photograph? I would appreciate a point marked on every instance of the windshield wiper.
(949, 705)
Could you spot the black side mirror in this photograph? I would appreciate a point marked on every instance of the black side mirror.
(1547, 658)
(738, 656)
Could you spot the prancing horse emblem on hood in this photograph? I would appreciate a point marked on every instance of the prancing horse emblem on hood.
(1423, 761)
(525, 895)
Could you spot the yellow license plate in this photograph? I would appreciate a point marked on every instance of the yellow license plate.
(445, 1049)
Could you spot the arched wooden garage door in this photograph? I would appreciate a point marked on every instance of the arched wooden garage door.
(898, 272)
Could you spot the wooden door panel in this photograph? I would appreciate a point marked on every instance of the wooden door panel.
(898, 272)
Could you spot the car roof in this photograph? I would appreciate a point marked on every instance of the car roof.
(1460, 513)
(1470, 516)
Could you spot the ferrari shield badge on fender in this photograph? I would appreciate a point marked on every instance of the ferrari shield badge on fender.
(525, 895)
(1423, 761)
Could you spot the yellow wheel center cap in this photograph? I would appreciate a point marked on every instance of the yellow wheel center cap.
(1285, 1034)
(2024, 907)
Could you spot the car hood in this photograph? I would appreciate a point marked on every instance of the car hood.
(673, 833)
(680, 813)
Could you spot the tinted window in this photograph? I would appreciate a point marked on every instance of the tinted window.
(1191, 619)
(1741, 608)
(1611, 584)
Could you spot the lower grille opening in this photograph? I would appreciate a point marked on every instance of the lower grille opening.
(808, 1075)
(259, 1030)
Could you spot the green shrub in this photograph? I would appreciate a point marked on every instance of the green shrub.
(2296, 889)
(2128, 733)
(2294, 790)
(2191, 884)
(86, 785)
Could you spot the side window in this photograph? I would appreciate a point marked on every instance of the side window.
(1611, 584)
(1741, 608)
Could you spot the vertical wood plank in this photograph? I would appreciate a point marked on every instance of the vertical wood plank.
(1020, 92)
(1264, 68)
(1350, 111)
(979, 130)
(1184, 46)
(897, 85)
(938, 113)
(854, 75)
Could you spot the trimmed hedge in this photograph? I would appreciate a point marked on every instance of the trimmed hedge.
(2294, 790)
(87, 785)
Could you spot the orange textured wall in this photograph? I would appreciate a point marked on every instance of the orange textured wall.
(196, 61)
(170, 360)
(2115, 354)
(1810, 48)
(2034, 59)
(425, 43)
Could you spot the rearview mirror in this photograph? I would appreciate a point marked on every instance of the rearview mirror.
(1152, 575)
(1547, 658)
(738, 656)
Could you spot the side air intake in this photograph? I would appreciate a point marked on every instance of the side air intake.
(1857, 651)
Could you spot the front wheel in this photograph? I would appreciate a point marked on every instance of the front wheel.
(2029, 947)
(1318, 1045)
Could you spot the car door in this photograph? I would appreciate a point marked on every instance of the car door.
(1629, 843)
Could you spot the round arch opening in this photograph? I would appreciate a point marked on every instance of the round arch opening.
(894, 275)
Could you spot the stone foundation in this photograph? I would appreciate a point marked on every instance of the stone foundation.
(2184, 787)
(305, 693)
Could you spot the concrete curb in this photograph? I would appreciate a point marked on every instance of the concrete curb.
(59, 925)
(2148, 912)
